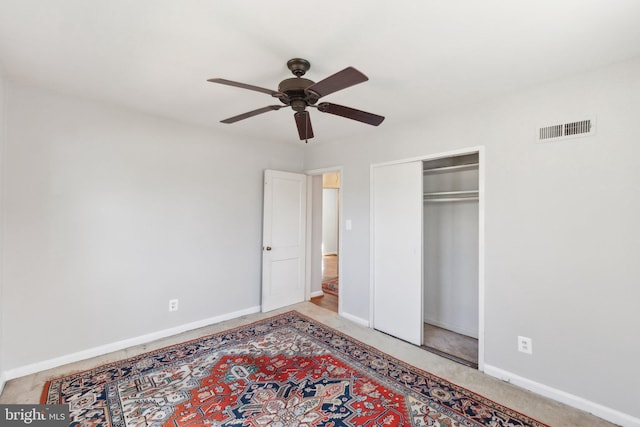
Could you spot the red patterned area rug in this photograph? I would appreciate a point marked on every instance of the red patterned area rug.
(285, 371)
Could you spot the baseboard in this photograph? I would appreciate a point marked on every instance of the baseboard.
(454, 328)
(316, 294)
(578, 402)
(355, 319)
(119, 345)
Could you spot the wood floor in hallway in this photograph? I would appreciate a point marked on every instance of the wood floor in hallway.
(329, 271)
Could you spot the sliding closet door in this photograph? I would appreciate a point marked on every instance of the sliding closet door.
(397, 250)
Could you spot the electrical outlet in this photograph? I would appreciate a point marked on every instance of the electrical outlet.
(525, 345)
(173, 305)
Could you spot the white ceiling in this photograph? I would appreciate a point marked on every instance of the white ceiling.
(420, 56)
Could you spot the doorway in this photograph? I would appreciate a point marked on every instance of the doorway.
(328, 294)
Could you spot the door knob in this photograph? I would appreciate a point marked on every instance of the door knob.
(268, 248)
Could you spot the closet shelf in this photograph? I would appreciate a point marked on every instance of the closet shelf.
(451, 199)
(451, 196)
(450, 168)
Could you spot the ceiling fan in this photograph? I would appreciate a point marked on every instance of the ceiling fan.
(300, 93)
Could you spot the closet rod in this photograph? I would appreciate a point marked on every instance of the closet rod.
(451, 199)
(451, 193)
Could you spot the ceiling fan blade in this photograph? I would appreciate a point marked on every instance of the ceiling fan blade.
(303, 122)
(246, 86)
(350, 113)
(338, 81)
(251, 113)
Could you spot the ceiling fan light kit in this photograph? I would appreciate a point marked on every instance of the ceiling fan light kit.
(300, 93)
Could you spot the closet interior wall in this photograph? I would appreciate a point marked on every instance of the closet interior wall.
(450, 233)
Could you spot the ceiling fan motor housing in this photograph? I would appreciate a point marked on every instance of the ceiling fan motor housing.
(294, 89)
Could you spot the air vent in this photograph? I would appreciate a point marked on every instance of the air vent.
(566, 130)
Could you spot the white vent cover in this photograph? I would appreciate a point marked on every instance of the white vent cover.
(566, 130)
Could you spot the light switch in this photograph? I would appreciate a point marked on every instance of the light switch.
(347, 224)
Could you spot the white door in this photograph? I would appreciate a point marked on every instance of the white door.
(397, 250)
(283, 239)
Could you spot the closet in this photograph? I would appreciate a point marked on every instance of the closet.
(450, 251)
(425, 253)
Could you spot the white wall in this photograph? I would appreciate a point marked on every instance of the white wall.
(562, 229)
(109, 213)
(450, 251)
(330, 221)
(2, 171)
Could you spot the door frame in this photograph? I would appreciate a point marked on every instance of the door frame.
(310, 208)
(481, 233)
